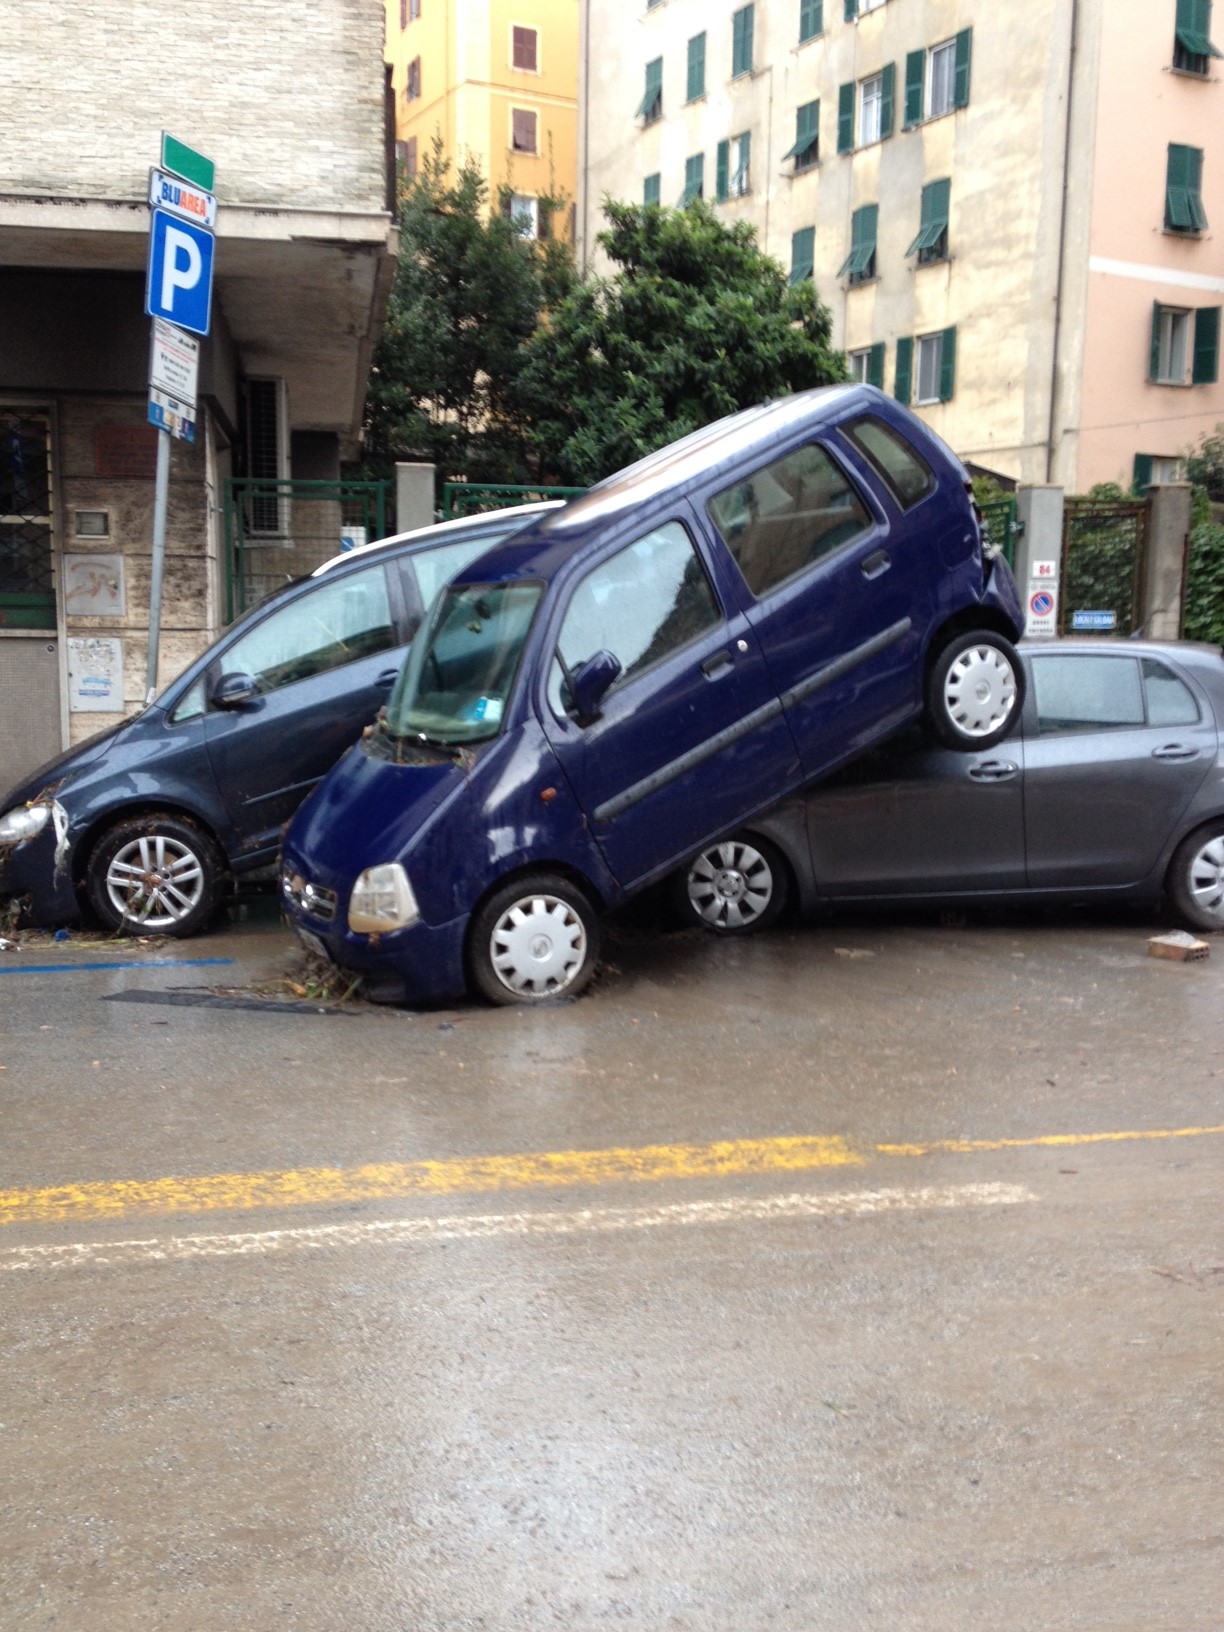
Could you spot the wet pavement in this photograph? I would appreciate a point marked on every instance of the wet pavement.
(853, 1276)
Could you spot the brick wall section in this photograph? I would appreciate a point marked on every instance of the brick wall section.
(286, 99)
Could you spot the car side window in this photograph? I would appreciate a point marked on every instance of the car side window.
(907, 477)
(787, 516)
(435, 567)
(191, 706)
(1169, 700)
(335, 624)
(1087, 693)
(642, 604)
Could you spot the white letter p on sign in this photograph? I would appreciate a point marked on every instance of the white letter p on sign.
(181, 266)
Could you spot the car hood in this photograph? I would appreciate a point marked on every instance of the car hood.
(55, 772)
(366, 811)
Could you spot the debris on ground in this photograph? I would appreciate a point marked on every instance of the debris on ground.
(852, 952)
(1179, 946)
(7, 946)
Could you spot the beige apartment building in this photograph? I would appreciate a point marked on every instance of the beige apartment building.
(1015, 213)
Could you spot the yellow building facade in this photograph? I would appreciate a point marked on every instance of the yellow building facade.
(497, 80)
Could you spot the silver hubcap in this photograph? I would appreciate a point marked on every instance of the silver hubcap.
(730, 885)
(980, 690)
(1207, 879)
(155, 881)
(538, 946)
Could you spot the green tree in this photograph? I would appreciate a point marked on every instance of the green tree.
(1205, 465)
(468, 294)
(695, 322)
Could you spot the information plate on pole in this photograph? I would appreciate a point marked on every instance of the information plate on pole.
(169, 414)
(184, 161)
(174, 362)
(180, 198)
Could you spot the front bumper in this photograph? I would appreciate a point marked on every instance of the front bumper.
(29, 871)
(421, 964)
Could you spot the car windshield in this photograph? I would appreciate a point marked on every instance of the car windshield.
(454, 686)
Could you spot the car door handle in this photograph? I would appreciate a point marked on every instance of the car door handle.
(993, 770)
(876, 563)
(1175, 750)
(386, 679)
(716, 665)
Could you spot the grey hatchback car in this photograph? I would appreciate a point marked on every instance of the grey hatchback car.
(1112, 789)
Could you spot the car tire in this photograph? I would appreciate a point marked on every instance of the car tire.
(736, 887)
(1195, 881)
(536, 938)
(158, 874)
(975, 691)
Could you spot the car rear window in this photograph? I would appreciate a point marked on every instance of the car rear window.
(787, 516)
(907, 477)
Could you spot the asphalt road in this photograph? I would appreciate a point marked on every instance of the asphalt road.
(852, 1277)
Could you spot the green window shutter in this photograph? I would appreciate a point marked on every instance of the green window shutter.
(650, 189)
(960, 83)
(1142, 473)
(1183, 197)
(694, 178)
(851, 10)
(1154, 347)
(888, 89)
(1206, 345)
(811, 19)
(695, 85)
(936, 199)
(803, 254)
(807, 131)
(904, 369)
(947, 366)
(845, 118)
(915, 81)
(1193, 28)
(875, 365)
(862, 243)
(741, 41)
(722, 171)
(1194, 183)
(650, 107)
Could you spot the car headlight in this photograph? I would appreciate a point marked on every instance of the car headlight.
(382, 899)
(23, 823)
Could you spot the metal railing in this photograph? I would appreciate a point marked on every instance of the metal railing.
(277, 530)
(999, 526)
(1104, 541)
(472, 498)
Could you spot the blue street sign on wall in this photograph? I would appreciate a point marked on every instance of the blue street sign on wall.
(179, 286)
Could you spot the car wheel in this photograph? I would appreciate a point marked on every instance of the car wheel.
(537, 937)
(155, 875)
(735, 887)
(1196, 878)
(975, 691)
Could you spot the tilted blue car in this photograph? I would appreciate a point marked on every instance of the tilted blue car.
(598, 697)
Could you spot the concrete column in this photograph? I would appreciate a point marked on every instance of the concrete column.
(414, 496)
(1039, 514)
(1168, 527)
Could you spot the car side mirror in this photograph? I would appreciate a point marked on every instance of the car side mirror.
(234, 691)
(589, 684)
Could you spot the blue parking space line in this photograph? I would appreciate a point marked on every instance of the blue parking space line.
(123, 963)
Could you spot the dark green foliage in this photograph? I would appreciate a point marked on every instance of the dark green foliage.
(468, 295)
(1203, 605)
(695, 322)
(1205, 466)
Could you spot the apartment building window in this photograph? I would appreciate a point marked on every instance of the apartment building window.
(741, 41)
(931, 244)
(803, 254)
(861, 261)
(524, 128)
(936, 366)
(937, 80)
(856, 8)
(811, 20)
(1154, 467)
(1185, 345)
(732, 167)
(1183, 196)
(805, 150)
(694, 84)
(651, 189)
(694, 179)
(867, 365)
(410, 10)
(1192, 47)
(523, 212)
(524, 49)
(410, 158)
(650, 107)
(412, 86)
(875, 110)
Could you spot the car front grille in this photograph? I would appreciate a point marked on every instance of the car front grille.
(312, 899)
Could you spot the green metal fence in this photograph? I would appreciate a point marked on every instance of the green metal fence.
(999, 526)
(279, 530)
(471, 498)
(1102, 564)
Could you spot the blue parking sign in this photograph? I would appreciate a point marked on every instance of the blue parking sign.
(179, 284)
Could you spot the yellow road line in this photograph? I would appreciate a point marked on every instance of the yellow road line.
(473, 1175)
(319, 1186)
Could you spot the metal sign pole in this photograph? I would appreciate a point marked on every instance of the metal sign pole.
(161, 495)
